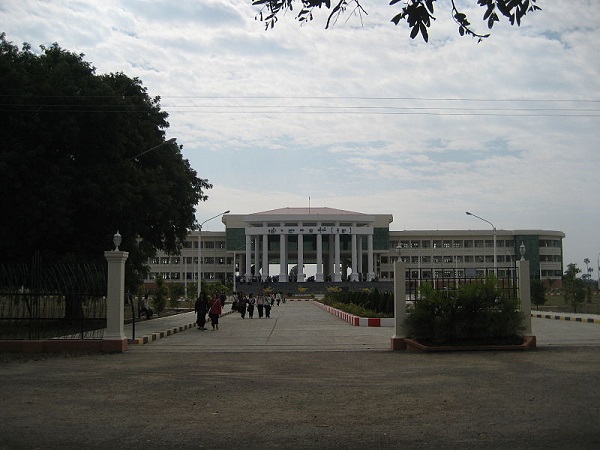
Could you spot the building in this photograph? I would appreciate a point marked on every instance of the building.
(326, 244)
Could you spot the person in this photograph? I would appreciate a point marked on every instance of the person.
(214, 313)
(145, 309)
(260, 305)
(251, 303)
(200, 307)
(278, 298)
(267, 309)
(242, 302)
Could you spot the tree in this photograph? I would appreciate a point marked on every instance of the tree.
(74, 167)
(538, 292)
(573, 287)
(418, 14)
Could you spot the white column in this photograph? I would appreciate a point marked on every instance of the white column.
(265, 257)
(115, 298)
(319, 275)
(360, 257)
(371, 272)
(525, 295)
(283, 276)
(247, 274)
(330, 257)
(397, 341)
(300, 256)
(354, 275)
(257, 256)
(337, 276)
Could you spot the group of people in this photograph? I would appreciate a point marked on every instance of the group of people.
(212, 306)
(261, 302)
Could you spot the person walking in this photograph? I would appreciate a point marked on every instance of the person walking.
(242, 304)
(201, 307)
(214, 313)
(260, 305)
(267, 309)
(251, 303)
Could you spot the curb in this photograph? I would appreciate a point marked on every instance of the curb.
(166, 332)
(356, 320)
(566, 318)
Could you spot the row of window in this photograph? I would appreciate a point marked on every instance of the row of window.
(189, 260)
(447, 273)
(205, 244)
(189, 276)
(449, 259)
(467, 243)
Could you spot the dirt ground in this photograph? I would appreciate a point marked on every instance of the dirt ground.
(549, 398)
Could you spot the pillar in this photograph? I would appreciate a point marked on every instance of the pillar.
(354, 275)
(115, 301)
(265, 257)
(248, 257)
(337, 276)
(300, 257)
(283, 276)
(398, 340)
(525, 295)
(319, 275)
(371, 271)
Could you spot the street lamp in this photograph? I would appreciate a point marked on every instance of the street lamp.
(494, 228)
(200, 250)
(153, 148)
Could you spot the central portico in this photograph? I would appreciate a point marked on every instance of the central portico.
(332, 239)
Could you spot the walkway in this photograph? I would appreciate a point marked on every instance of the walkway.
(301, 326)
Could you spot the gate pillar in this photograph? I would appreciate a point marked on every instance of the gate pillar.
(114, 337)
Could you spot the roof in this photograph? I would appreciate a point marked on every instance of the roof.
(306, 211)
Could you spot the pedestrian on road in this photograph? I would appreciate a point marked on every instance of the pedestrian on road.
(251, 303)
(242, 304)
(260, 305)
(268, 309)
(201, 307)
(215, 312)
(278, 298)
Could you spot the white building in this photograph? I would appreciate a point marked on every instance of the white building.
(325, 244)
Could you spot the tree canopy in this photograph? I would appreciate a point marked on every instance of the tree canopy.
(418, 14)
(74, 165)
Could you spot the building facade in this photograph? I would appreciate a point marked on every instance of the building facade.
(326, 244)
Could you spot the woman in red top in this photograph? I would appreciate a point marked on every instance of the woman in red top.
(214, 312)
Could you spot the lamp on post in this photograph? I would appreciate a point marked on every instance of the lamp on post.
(494, 228)
(200, 250)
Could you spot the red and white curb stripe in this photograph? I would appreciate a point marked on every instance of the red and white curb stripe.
(356, 320)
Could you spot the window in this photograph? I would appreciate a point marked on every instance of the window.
(220, 245)
(457, 244)
(447, 244)
(221, 261)
(414, 260)
(175, 276)
(175, 260)
(448, 260)
(426, 259)
(437, 244)
(415, 244)
(154, 260)
(468, 259)
(425, 244)
(489, 244)
(403, 244)
(478, 244)
(165, 260)
(468, 244)
(208, 244)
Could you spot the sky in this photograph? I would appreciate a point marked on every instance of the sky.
(360, 117)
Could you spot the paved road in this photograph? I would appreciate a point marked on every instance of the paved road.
(306, 380)
(301, 326)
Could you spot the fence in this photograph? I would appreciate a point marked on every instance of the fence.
(451, 280)
(47, 301)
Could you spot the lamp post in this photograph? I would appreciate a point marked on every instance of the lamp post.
(153, 148)
(494, 228)
(200, 250)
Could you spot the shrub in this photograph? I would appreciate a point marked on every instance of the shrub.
(476, 311)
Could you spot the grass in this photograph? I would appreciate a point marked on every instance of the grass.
(555, 302)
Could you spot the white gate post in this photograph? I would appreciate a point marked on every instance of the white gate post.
(397, 341)
(114, 337)
(525, 295)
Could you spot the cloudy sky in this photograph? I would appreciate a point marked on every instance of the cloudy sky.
(360, 117)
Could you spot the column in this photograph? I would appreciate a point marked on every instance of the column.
(337, 276)
(360, 258)
(397, 341)
(247, 274)
(330, 258)
(319, 275)
(115, 302)
(300, 256)
(265, 257)
(354, 275)
(257, 257)
(371, 272)
(525, 295)
(283, 276)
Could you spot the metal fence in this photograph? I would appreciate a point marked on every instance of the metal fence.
(452, 280)
(52, 301)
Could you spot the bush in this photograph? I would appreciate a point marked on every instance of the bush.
(477, 311)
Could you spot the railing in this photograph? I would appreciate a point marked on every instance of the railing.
(452, 280)
(52, 301)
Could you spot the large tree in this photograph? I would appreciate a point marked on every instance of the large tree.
(74, 167)
(418, 14)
